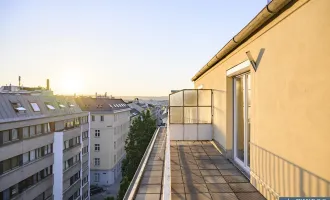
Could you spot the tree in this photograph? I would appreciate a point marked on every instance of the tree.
(141, 131)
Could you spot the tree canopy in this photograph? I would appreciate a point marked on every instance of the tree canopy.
(141, 131)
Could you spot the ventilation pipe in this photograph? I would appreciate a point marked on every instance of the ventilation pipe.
(47, 85)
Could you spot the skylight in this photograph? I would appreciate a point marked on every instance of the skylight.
(70, 104)
(18, 107)
(110, 105)
(61, 105)
(50, 107)
(35, 107)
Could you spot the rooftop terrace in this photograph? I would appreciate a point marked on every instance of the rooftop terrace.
(182, 161)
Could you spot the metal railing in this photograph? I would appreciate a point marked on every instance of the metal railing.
(134, 185)
(167, 169)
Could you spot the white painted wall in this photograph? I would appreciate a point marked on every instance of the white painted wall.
(114, 128)
(191, 131)
(58, 165)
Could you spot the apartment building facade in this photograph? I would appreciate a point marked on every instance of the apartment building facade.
(110, 121)
(44, 147)
(270, 89)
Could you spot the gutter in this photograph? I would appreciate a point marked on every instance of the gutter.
(264, 15)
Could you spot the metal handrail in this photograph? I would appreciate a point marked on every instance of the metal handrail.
(167, 169)
(133, 186)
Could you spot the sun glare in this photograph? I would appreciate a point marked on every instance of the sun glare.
(71, 84)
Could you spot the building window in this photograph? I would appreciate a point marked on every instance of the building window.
(97, 147)
(85, 150)
(115, 117)
(84, 119)
(74, 178)
(32, 131)
(97, 177)
(68, 144)
(85, 135)
(97, 161)
(49, 106)
(102, 118)
(85, 195)
(18, 107)
(46, 128)
(60, 105)
(38, 129)
(93, 118)
(25, 131)
(69, 124)
(76, 122)
(75, 195)
(114, 144)
(22, 159)
(85, 180)
(35, 107)
(71, 161)
(97, 133)
(23, 185)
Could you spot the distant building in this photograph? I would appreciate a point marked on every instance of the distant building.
(110, 121)
(44, 145)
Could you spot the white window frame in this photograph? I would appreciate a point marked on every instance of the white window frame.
(97, 177)
(97, 147)
(97, 133)
(97, 161)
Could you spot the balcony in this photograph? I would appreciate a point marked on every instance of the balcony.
(183, 161)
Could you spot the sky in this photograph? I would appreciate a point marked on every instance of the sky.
(124, 48)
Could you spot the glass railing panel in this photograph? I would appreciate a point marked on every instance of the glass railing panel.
(204, 115)
(176, 99)
(190, 115)
(190, 97)
(204, 97)
(176, 115)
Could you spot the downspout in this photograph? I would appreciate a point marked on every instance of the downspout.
(264, 15)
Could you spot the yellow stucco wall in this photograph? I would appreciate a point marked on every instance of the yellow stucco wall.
(290, 130)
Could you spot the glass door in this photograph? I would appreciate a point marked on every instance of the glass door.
(242, 105)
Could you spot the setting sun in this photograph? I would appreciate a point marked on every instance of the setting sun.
(71, 84)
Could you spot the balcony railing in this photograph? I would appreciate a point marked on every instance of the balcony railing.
(134, 185)
(190, 114)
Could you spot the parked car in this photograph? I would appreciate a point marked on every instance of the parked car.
(95, 190)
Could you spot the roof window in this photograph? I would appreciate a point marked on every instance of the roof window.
(35, 107)
(49, 106)
(18, 107)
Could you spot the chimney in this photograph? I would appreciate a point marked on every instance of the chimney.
(47, 87)
(105, 95)
(19, 81)
(95, 94)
